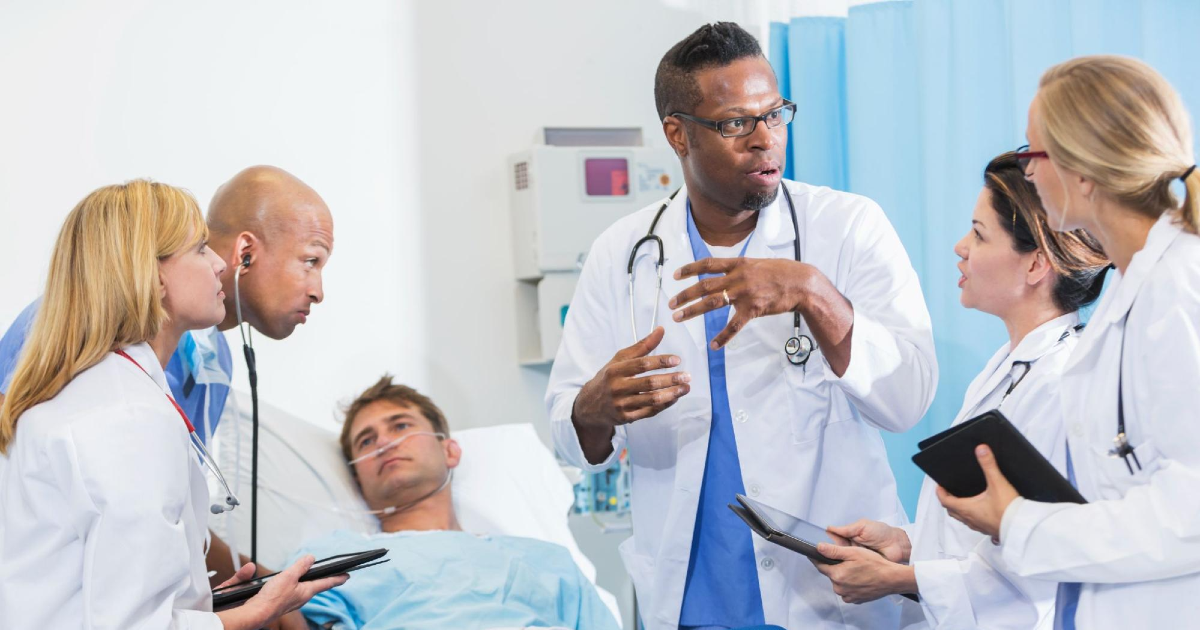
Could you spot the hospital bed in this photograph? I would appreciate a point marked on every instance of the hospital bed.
(508, 483)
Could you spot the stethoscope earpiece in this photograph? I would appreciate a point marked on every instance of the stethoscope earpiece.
(230, 503)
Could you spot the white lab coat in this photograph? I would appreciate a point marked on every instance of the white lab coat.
(808, 441)
(963, 589)
(1136, 544)
(104, 509)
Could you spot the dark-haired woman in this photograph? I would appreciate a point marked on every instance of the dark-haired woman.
(1035, 280)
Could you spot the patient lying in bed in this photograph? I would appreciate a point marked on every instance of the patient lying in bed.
(397, 442)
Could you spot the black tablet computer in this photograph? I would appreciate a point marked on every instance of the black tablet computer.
(783, 529)
(788, 531)
(333, 565)
(949, 459)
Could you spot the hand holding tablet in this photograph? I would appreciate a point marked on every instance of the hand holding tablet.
(333, 565)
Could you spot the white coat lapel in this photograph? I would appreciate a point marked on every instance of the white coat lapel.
(773, 235)
(1161, 235)
(982, 386)
(1119, 296)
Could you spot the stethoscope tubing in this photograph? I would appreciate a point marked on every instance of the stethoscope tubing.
(797, 348)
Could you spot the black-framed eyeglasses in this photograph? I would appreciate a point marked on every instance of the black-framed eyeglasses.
(745, 125)
(1025, 156)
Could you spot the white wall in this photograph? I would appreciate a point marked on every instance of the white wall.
(491, 74)
(401, 114)
(190, 93)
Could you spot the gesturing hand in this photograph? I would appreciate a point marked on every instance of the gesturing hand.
(619, 394)
(755, 287)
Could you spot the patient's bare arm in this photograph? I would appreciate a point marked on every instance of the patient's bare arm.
(218, 560)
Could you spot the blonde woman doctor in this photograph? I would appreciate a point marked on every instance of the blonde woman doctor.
(1015, 267)
(104, 503)
(1109, 139)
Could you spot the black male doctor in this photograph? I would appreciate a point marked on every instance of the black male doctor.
(734, 393)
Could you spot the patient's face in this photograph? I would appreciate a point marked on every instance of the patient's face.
(406, 472)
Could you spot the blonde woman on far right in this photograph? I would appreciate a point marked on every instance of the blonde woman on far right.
(1109, 140)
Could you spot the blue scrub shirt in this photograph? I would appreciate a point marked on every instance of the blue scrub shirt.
(1066, 601)
(722, 588)
(181, 371)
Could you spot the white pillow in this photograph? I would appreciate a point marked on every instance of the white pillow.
(507, 483)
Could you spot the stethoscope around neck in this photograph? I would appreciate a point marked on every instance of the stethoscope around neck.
(1025, 366)
(206, 459)
(798, 348)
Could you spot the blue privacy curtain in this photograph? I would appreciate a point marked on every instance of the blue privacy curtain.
(906, 101)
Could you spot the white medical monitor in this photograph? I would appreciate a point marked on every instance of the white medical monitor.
(563, 197)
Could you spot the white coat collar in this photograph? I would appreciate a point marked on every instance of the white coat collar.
(1042, 339)
(774, 228)
(145, 357)
(1036, 344)
(1161, 235)
(775, 221)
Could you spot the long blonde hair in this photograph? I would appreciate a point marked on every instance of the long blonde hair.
(102, 290)
(1119, 123)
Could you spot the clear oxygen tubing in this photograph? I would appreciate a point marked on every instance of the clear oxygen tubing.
(369, 512)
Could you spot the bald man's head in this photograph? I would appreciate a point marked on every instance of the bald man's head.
(261, 199)
(279, 225)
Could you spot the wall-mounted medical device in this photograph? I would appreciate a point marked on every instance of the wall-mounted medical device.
(564, 193)
(605, 495)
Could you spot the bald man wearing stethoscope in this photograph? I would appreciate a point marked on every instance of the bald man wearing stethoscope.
(772, 380)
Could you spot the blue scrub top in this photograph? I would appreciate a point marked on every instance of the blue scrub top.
(722, 588)
(1066, 600)
(13, 340)
(181, 372)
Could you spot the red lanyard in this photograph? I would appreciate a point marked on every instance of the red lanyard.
(190, 428)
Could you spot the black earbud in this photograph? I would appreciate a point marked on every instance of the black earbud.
(246, 260)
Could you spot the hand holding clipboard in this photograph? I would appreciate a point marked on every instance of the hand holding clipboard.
(991, 477)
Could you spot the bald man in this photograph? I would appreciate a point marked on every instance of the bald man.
(276, 233)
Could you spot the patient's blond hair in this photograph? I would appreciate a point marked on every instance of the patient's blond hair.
(102, 290)
(1119, 123)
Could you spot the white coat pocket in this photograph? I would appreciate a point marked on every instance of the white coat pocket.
(1113, 475)
(812, 408)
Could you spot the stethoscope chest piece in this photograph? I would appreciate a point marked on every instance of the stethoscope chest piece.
(798, 349)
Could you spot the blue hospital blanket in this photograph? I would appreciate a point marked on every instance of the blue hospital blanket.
(443, 579)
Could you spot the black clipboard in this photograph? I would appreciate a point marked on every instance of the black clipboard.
(333, 565)
(949, 459)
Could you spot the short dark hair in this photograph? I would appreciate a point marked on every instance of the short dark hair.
(712, 45)
(1076, 256)
(384, 389)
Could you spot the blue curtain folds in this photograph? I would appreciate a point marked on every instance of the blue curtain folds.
(906, 101)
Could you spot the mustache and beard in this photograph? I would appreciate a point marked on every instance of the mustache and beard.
(758, 201)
